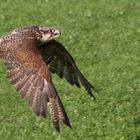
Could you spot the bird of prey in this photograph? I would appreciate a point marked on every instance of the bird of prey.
(31, 54)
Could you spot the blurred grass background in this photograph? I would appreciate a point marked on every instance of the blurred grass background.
(104, 38)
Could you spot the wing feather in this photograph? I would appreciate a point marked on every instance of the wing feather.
(61, 62)
(31, 77)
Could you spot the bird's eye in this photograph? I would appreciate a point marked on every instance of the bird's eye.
(51, 31)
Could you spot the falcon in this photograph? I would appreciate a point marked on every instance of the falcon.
(31, 54)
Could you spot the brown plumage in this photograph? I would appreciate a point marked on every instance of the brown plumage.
(30, 55)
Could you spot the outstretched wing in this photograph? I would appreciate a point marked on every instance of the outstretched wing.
(28, 72)
(62, 63)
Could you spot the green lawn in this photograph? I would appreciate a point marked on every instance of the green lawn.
(104, 38)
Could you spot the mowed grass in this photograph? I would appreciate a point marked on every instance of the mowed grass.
(104, 38)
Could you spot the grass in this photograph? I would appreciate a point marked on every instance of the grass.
(103, 37)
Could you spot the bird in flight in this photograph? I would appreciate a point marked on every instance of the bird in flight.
(31, 54)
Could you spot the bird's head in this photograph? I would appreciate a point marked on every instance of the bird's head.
(47, 33)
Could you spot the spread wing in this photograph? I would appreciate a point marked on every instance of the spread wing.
(27, 71)
(62, 63)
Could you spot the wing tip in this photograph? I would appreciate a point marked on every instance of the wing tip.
(90, 92)
(56, 125)
(67, 122)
